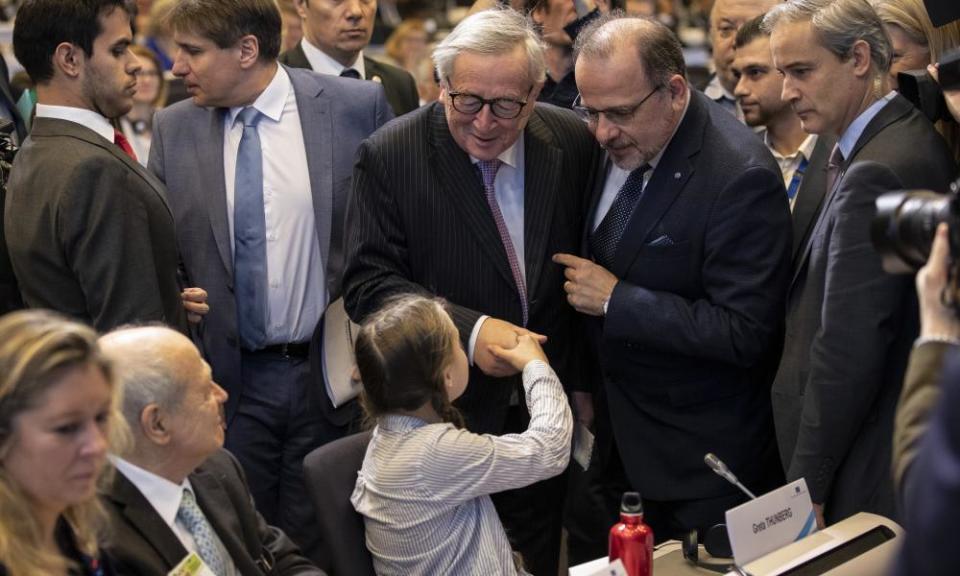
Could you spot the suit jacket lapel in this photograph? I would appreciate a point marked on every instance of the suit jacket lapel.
(668, 179)
(542, 161)
(317, 125)
(209, 150)
(461, 182)
(810, 195)
(219, 510)
(145, 520)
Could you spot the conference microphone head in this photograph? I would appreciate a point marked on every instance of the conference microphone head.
(719, 467)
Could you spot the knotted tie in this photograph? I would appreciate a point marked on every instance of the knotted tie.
(120, 140)
(350, 73)
(604, 240)
(833, 166)
(250, 237)
(196, 523)
(488, 172)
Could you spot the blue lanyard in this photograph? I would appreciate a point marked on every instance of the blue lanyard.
(797, 178)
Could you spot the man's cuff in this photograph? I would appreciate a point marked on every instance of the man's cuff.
(472, 343)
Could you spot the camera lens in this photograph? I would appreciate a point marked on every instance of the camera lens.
(904, 227)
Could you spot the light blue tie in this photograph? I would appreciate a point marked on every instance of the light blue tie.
(196, 523)
(250, 237)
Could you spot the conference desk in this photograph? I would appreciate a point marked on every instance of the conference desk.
(668, 560)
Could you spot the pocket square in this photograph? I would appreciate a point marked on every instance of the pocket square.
(661, 241)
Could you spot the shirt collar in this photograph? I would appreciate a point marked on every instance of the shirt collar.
(805, 149)
(324, 64)
(162, 494)
(398, 423)
(271, 101)
(859, 124)
(512, 156)
(83, 116)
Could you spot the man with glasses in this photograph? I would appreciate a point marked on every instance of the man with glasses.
(467, 199)
(688, 251)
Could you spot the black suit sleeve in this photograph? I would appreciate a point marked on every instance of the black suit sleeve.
(743, 274)
(377, 257)
(98, 216)
(861, 315)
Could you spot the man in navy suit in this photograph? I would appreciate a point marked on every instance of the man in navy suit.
(258, 169)
(688, 249)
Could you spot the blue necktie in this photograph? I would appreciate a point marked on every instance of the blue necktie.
(250, 237)
(604, 240)
(190, 515)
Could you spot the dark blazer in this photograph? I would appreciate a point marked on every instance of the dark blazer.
(399, 85)
(187, 154)
(89, 231)
(686, 343)
(418, 221)
(140, 543)
(810, 195)
(850, 325)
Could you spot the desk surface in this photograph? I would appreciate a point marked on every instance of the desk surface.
(667, 561)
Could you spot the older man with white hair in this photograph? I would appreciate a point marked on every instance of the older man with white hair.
(467, 199)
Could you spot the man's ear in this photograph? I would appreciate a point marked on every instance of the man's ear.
(861, 57)
(155, 425)
(249, 50)
(69, 59)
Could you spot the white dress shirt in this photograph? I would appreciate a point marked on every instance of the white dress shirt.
(165, 497)
(423, 489)
(508, 188)
(788, 164)
(83, 116)
(324, 64)
(295, 271)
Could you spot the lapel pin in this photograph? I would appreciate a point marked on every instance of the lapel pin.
(677, 175)
(377, 79)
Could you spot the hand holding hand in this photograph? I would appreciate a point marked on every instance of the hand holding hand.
(526, 350)
(504, 335)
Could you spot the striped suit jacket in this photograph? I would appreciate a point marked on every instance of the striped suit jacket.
(418, 221)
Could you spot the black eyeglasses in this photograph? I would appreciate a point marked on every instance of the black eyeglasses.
(619, 115)
(503, 108)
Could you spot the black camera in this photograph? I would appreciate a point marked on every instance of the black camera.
(925, 93)
(905, 224)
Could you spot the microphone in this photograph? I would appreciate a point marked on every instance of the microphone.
(721, 470)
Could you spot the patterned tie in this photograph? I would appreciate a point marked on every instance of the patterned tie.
(604, 240)
(488, 172)
(120, 140)
(350, 73)
(190, 515)
(250, 237)
(833, 166)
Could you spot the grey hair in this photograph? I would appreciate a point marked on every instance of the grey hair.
(839, 24)
(658, 49)
(492, 32)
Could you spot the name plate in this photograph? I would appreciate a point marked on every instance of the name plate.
(614, 569)
(771, 521)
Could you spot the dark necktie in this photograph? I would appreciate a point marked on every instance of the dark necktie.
(833, 167)
(604, 240)
(488, 172)
(120, 140)
(350, 73)
(250, 236)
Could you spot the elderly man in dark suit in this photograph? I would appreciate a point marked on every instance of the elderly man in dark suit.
(335, 32)
(688, 245)
(467, 199)
(177, 492)
(849, 325)
(258, 169)
(89, 231)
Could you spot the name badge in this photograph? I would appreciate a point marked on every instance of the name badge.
(771, 521)
(616, 568)
(192, 565)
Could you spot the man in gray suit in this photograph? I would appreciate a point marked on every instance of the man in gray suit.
(89, 231)
(850, 326)
(177, 485)
(258, 167)
(335, 32)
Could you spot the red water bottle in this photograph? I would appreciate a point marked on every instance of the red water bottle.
(630, 539)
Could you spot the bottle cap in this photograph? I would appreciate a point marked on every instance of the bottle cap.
(631, 503)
